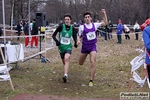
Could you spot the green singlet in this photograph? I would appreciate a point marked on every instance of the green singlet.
(65, 38)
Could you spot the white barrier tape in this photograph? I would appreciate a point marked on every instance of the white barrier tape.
(24, 36)
(49, 32)
(32, 35)
(3, 69)
(46, 49)
(138, 58)
(26, 58)
(52, 30)
(11, 30)
(116, 34)
(4, 77)
(8, 25)
(22, 31)
(136, 63)
(138, 79)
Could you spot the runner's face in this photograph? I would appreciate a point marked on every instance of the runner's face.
(67, 21)
(87, 19)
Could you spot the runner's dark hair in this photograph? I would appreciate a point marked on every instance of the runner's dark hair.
(87, 13)
(68, 15)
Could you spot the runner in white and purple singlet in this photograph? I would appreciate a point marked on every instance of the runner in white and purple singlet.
(87, 34)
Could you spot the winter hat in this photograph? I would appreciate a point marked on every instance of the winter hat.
(147, 21)
(145, 24)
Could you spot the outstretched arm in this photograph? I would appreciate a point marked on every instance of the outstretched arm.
(105, 22)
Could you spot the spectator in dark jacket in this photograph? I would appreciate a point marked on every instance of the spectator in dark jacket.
(1, 31)
(26, 32)
(109, 27)
(33, 33)
(104, 29)
(19, 26)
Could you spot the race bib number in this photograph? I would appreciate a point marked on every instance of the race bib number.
(65, 40)
(91, 35)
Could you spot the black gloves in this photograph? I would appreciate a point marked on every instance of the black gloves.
(75, 45)
(57, 43)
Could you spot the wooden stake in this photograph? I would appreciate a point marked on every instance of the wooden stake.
(130, 82)
(6, 70)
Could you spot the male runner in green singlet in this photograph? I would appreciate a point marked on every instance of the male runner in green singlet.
(66, 32)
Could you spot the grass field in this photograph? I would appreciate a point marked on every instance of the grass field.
(112, 74)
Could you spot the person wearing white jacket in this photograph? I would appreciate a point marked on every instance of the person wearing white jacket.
(136, 28)
(126, 31)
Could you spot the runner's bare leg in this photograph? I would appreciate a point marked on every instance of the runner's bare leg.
(82, 58)
(66, 63)
(93, 64)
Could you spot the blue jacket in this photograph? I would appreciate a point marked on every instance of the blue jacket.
(146, 38)
(119, 29)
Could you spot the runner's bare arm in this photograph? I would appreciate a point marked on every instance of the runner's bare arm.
(105, 22)
(79, 40)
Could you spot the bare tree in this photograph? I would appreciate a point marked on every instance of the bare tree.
(128, 10)
(20, 9)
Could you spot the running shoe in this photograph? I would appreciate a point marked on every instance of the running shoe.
(65, 79)
(90, 83)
